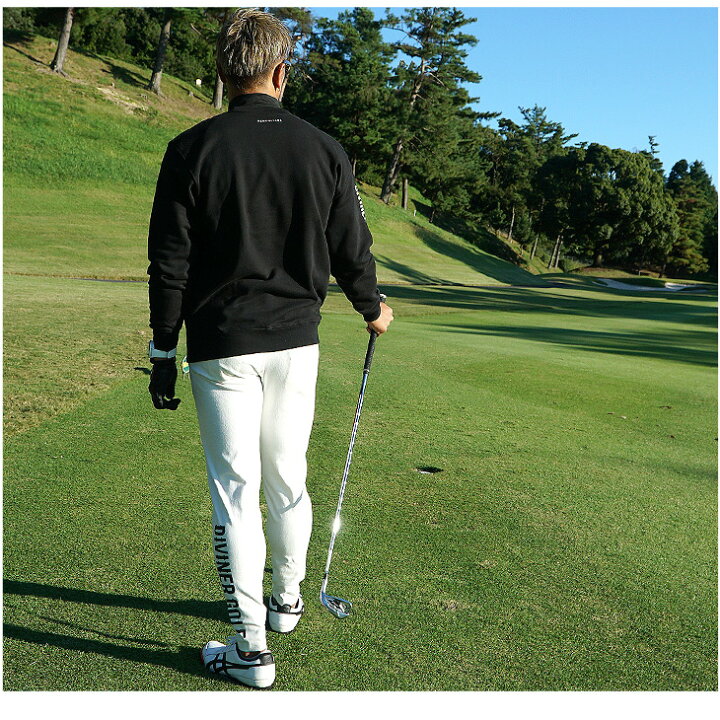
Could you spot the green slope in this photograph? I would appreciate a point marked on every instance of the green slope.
(81, 160)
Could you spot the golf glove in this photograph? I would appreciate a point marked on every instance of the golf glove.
(162, 384)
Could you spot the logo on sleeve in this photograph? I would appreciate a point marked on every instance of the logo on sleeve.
(362, 207)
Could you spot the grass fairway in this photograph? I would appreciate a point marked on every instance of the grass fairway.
(568, 544)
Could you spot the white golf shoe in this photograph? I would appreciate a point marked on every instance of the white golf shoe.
(257, 670)
(284, 618)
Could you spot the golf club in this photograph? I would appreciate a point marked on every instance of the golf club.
(338, 606)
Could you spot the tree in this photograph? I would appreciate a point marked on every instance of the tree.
(695, 200)
(516, 154)
(710, 248)
(102, 30)
(436, 51)
(142, 27)
(710, 219)
(608, 204)
(59, 60)
(218, 89)
(543, 139)
(342, 84)
(156, 77)
(191, 55)
(554, 183)
(299, 21)
(652, 156)
(440, 157)
(19, 19)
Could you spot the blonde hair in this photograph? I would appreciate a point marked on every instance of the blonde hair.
(250, 43)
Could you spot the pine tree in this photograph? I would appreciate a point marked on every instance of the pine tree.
(692, 191)
(608, 204)
(156, 77)
(710, 245)
(652, 156)
(222, 18)
(64, 40)
(516, 158)
(435, 47)
(440, 156)
(343, 84)
(191, 54)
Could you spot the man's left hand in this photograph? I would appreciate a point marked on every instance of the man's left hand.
(162, 384)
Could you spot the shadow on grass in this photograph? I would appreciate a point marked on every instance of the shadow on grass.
(182, 659)
(695, 309)
(477, 236)
(135, 79)
(490, 265)
(13, 38)
(196, 608)
(185, 659)
(680, 346)
(408, 273)
(120, 73)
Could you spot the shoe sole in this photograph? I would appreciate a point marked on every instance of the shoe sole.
(264, 686)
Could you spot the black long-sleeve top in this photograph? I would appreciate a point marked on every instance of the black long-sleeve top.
(254, 209)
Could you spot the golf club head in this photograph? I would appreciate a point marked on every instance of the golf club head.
(337, 606)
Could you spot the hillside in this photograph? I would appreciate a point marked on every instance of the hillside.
(81, 160)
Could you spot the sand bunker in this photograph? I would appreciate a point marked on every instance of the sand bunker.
(650, 288)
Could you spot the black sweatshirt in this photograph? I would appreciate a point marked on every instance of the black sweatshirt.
(254, 209)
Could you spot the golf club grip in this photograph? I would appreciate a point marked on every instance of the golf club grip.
(371, 343)
(370, 351)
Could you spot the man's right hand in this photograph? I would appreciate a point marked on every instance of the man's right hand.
(162, 384)
(381, 324)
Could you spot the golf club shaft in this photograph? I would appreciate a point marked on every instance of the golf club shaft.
(336, 522)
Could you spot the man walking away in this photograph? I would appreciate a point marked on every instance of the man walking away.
(254, 209)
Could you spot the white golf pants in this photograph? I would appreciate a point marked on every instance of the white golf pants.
(255, 414)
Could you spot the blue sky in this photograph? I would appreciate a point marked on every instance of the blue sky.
(613, 75)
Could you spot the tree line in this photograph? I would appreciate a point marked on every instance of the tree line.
(403, 113)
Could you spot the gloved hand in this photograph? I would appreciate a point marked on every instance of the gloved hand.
(162, 384)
